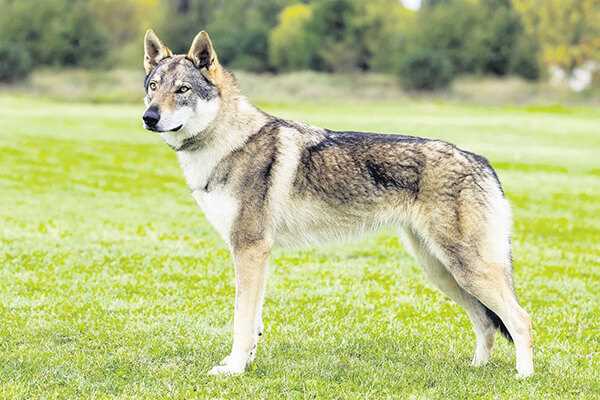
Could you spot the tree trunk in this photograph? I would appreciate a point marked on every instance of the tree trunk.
(182, 6)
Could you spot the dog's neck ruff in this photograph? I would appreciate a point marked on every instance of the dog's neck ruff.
(198, 140)
(192, 143)
(226, 123)
(199, 154)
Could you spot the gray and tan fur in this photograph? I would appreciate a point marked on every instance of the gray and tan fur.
(262, 181)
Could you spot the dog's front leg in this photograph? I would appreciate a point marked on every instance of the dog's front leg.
(250, 273)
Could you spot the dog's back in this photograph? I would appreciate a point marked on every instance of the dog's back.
(329, 185)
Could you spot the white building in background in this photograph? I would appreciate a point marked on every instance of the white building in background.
(578, 80)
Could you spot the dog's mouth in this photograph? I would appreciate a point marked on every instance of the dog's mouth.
(154, 129)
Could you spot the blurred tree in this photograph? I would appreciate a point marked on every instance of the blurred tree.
(524, 60)
(341, 35)
(289, 47)
(239, 28)
(481, 37)
(509, 49)
(125, 32)
(384, 26)
(134, 16)
(425, 69)
(340, 47)
(451, 28)
(568, 31)
(183, 6)
(432, 3)
(181, 20)
(15, 62)
(475, 36)
(55, 32)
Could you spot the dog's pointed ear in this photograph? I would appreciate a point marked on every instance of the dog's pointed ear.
(154, 51)
(203, 55)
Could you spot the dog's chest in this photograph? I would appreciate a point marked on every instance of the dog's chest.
(220, 207)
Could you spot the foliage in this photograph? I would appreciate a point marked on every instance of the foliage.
(55, 32)
(481, 37)
(344, 35)
(339, 47)
(132, 11)
(524, 59)
(497, 36)
(452, 29)
(425, 69)
(288, 47)
(182, 20)
(432, 3)
(477, 37)
(384, 26)
(568, 31)
(239, 28)
(15, 62)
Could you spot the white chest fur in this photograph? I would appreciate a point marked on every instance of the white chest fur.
(220, 209)
(219, 206)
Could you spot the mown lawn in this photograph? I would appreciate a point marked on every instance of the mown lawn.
(113, 285)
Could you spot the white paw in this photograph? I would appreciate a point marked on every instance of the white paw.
(524, 362)
(227, 370)
(480, 359)
(524, 372)
(477, 362)
(233, 364)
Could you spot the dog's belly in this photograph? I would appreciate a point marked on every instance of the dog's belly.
(306, 223)
(220, 209)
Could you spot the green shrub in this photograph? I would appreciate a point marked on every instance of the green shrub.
(385, 25)
(509, 49)
(451, 28)
(239, 28)
(339, 45)
(524, 60)
(425, 69)
(55, 32)
(483, 37)
(288, 47)
(15, 62)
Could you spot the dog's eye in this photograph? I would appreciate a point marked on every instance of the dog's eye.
(182, 89)
(152, 85)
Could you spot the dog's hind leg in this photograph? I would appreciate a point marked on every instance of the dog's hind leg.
(488, 282)
(477, 254)
(483, 325)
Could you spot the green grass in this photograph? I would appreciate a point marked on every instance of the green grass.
(113, 285)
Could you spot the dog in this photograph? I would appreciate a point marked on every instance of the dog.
(263, 181)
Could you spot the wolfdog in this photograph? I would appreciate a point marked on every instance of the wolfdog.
(262, 181)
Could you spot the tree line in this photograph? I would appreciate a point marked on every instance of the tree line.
(426, 49)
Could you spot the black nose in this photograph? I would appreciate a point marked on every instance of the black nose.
(151, 117)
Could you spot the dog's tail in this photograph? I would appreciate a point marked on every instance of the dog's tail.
(497, 323)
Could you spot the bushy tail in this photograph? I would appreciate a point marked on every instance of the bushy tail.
(497, 323)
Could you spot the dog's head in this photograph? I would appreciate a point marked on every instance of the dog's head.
(182, 91)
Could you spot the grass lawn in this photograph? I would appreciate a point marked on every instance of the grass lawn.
(113, 285)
